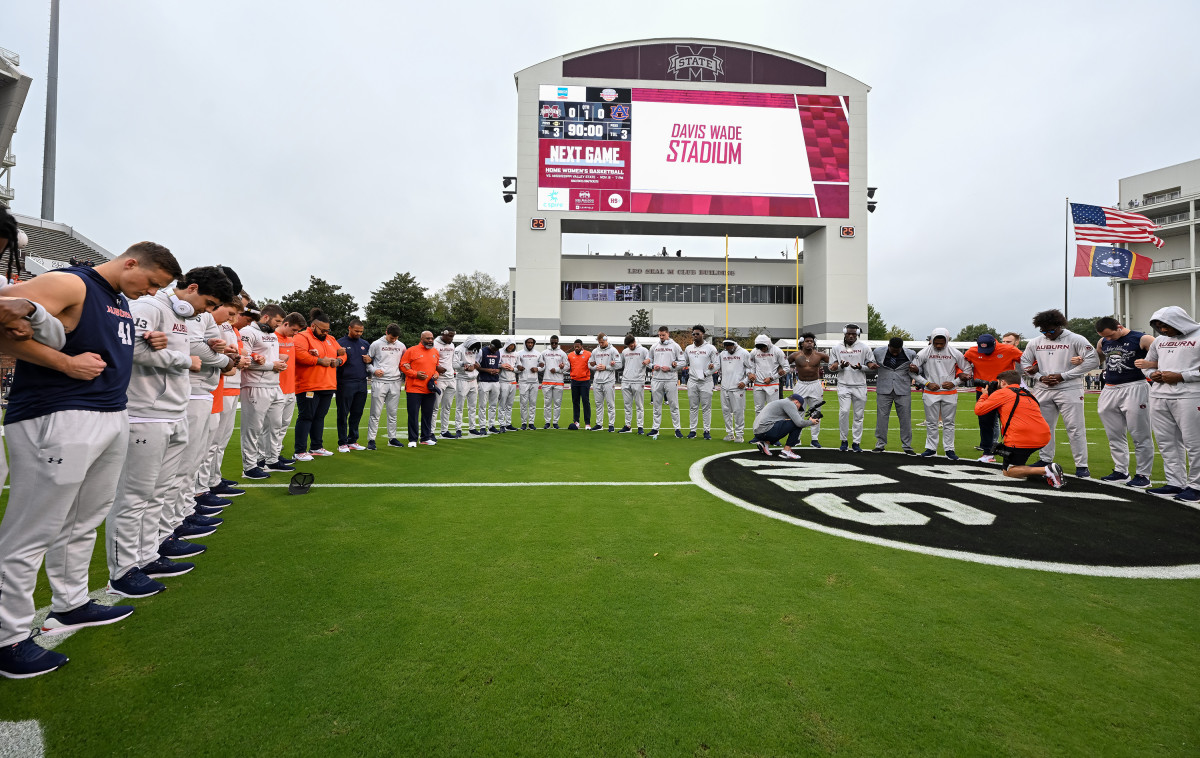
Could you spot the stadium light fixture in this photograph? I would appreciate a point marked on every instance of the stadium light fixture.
(871, 192)
(509, 182)
(871, 206)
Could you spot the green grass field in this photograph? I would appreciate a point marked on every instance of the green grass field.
(620, 620)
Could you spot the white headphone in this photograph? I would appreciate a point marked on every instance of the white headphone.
(846, 329)
(182, 307)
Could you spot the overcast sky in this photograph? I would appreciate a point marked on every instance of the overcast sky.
(357, 139)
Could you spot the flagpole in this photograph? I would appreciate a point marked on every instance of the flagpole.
(1067, 262)
(726, 285)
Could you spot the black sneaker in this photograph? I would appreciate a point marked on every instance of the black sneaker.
(447, 436)
(493, 430)
(199, 519)
(856, 447)
(612, 428)
(209, 500)
(370, 444)
(134, 584)
(208, 510)
(952, 455)
(262, 462)
(90, 613)
(548, 426)
(815, 443)
(707, 436)
(573, 427)
(928, 453)
(458, 434)
(288, 461)
(226, 490)
(167, 567)
(524, 427)
(173, 547)
(1116, 476)
(27, 659)
(280, 466)
(186, 531)
(653, 434)
(256, 473)
(844, 446)
(229, 482)
(640, 430)
(691, 435)
(393, 442)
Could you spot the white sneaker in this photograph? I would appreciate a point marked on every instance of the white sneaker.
(303, 456)
(320, 451)
(412, 444)
(727, 438)
(789, 455)
(342, 449)
(357, 446)
(987, 459)
(427, 442)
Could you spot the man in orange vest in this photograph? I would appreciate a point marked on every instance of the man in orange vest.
(581, 384)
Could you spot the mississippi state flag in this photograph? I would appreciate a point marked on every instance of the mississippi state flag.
(1096, 224)
(1107, 260)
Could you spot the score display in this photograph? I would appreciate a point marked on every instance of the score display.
(695, 152)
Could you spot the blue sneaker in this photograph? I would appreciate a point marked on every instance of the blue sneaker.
(229, 482)
(90, 613)
(208, 510)
(167, 567)
(225, 490)
(707, 435)
(256, 473)
(844, 446)
(1188, 495)
(952, 455)
(280, 466)
(27, 659)
(199, 519)
(1139, 481)
(1082, 472)
(1166, 489)
(640, 430)
(173, 547)
(209, 500)
(856, 447)
(1115, 476)
(288, 461)
(679, 434)
(134, 584)
(393, 442)
(815, 443)
(185, 531)
(928, 453)
(691, 435)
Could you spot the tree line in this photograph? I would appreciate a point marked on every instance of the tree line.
(1083, 326)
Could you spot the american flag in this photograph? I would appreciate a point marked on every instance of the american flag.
(1096, 224)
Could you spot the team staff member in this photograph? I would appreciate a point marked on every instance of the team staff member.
(489, 388)
(634, 360)
(702, 364)
(447, 380)
(735, 377)
(581, 384)
(850, 361)
(893, 388)
(1057, 384)
(281, 414)
(779, 419)
(1124, 400)
(318, 356)
(665, 358)
(938, 368)
(1172, 365)
(988, 358)
(767, 364)
(352, 386)
(606, 362)
(67, 431)
(421, 366)
(807, 362)
(1023, 427)
(261, 396)
(386, 385)
(554, 368)
(528, 363)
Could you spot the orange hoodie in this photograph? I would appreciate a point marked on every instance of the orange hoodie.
(311, 377)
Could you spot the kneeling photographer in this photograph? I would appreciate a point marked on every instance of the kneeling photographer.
(785, 418)
(1022, 428)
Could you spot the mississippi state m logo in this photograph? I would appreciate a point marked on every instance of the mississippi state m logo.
(692, 64)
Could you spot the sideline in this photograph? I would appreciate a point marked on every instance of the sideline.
(419, 485)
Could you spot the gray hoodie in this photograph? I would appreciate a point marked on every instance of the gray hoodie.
(507, 358)
(734, 368)
(201, 329)
(266, 345)
(775, 411)
(939, 366)
(633, 368)
(1054, 357)
(464, 355)
(610, 358)
(385, 357)
(159, 384)
(1180, 353)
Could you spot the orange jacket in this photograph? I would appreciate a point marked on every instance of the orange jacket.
(988, 367)
(311, 377)
(416, 359)
(1028, 429)
(287, 377)
(580, 371)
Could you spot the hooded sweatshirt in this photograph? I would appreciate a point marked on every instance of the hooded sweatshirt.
(160, 384)
(466, 354)
(766, 365)
(662, 355)
(633, 368)
(734, 368)
(385, 357)
(554, 358)
(848, 357)
(1180, 353)
(201, 329)
(265, 343)
(699, 359)
(608, 362)
(445, 356)
(530, 359)
(1054, 357)
(508, 357)
(939, 366)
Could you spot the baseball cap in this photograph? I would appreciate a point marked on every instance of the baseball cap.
(986, 343)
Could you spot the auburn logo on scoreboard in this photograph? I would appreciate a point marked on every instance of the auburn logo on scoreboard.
(619, 112)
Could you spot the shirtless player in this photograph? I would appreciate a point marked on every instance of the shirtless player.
(807, 365)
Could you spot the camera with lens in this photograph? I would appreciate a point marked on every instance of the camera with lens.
(991, 386)
(812, 412)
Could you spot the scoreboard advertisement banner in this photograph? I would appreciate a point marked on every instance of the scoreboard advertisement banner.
(695, 152)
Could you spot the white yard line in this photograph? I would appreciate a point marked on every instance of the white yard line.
(421, 485)
(21, 739)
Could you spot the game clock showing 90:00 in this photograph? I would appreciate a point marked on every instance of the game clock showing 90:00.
(604, 115)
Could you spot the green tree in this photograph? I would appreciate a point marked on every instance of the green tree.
(338, 305)
(971, 332)
(1085, 327)
(639, 323)
(895, 331)
(876, 326)
(473, 304)
(400, 300)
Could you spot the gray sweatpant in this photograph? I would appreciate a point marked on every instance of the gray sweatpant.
(131, 531)
(279, 421)
(64, 470)
(884, 401)
(445, 403)
(1177, 429)
(1069, 405)
(385, 397)
(468, 402)
(733, 409)
(939, 407)
(1124, 410)
(552, 395)
(257, 406)
(489, 404)
(529, 392)
(668, 392)
(814, 392)
(634, 396)
(508, 393)
(700, 394)
(851, 399)
(606, 399)
(179, 502)
(764, 395)
(210, 472)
